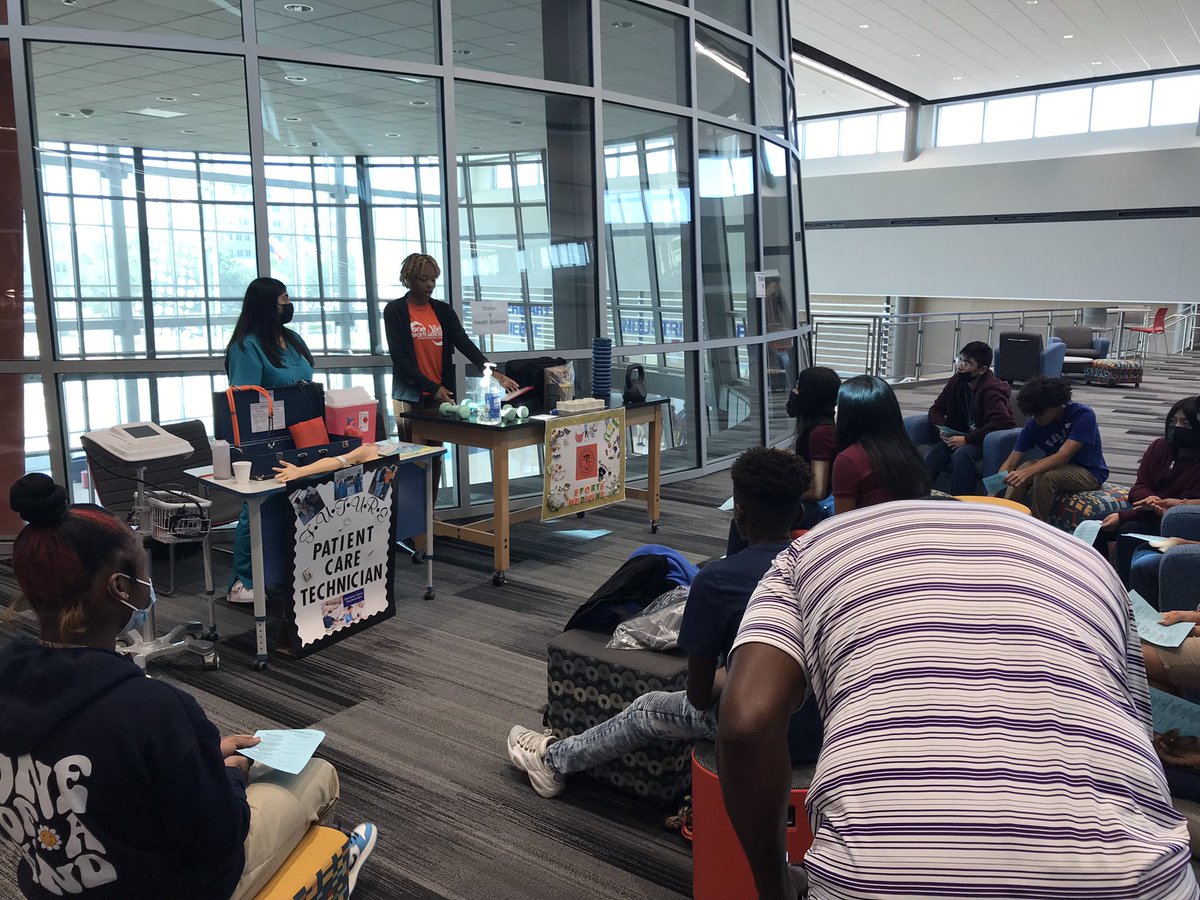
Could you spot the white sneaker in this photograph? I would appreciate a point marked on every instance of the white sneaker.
(527, 750)
(239, 593)
(362, 842)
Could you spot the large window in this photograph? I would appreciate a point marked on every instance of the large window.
(855, 135)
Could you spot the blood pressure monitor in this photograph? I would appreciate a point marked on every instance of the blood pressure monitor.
(140, 442)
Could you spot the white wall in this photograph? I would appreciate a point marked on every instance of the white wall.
(1150, 260)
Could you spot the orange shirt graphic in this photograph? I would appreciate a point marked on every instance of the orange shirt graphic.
(427, 340)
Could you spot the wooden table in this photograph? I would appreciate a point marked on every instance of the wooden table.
(430, 425)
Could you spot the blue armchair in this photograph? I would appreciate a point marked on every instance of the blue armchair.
(1179, 571)
(1082, 344)
(996, 446)
(1020, 356)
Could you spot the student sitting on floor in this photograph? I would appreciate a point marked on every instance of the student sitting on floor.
(112, 784)
(876, 459)
(767, 484)
(1069, 436)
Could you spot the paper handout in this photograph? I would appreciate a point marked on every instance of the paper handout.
(946, 431)
(285, 749)
(1170, 713)
(993, 483)
(1087, 530)
(1146, 617)
(726, 506)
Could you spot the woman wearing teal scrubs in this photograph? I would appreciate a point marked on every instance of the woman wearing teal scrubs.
(265, 352)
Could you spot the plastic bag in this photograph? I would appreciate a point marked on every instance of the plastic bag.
(657, 628)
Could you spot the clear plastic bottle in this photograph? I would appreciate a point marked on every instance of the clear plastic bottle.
(491, 396)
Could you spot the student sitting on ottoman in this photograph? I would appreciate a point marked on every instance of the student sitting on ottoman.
(767, 484)
(1069, 436)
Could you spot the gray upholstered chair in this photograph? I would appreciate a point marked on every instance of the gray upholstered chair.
(1082, 344)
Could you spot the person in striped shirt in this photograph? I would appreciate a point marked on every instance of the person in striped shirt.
(987, 719)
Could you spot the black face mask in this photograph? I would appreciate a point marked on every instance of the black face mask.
(1182, 438)
(285, 315)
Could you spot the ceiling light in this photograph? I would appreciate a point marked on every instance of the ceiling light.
(621, 24)
(1031, 2)
(292, 119)
(156, 113)
(1067, 37)
(463, 52)
(295, 79)
(168, 99)
(418, 102)
(186, 131)
(1096, 62)
(510, 43)
(848, 79)
(291, 146)
(723, 61)
(65, 115)
(297, 7)
(391, 134)
(916, 56)
(1016, 76)
(515, 122)
(68, 2)
(195, 95)
(864, 25)
(956, 78)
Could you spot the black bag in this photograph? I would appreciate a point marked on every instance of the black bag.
(630, 589)
(267, 449)
(532, 373)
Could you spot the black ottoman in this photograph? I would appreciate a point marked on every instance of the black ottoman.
(588, 684)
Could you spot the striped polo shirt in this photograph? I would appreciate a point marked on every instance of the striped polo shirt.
(985, 705)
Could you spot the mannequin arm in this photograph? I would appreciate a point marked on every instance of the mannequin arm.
(287, 472)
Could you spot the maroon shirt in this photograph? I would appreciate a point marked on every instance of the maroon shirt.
(1161, 474)
(822, 447)
(855, 479)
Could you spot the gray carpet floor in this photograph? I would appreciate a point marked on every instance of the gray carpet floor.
(416, 709)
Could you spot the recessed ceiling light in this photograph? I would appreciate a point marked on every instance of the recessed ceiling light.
(1031, 2)
(65, 115)
(956, 78)
(186, 131)
(295, 79)
(168, 99)
(463, 52)
(1016, 76)
(391, 134)
(1067, 37)
(68, 2)
(864, 25)
(418, 102)
(297, 7)
(515, 122)
(621, 23)
(475, 148)
(1096, 62)
(510, 43)
(292, 119)
(195, 95)
(291, 146)
(916, 56)
(801, 94)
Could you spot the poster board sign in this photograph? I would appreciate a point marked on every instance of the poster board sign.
(342, 565)
(489, 317)
(585, 462)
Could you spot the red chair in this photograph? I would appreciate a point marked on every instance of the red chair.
(719, 867)
(1158, 326)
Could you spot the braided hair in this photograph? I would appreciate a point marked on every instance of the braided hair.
(416, 263)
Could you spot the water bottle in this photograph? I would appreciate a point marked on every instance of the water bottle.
(491, 397)
(222, 469)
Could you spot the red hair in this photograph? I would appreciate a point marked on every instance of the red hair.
(55, 564)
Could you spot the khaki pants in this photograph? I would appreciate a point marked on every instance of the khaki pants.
(282, 809)
(1040, 489)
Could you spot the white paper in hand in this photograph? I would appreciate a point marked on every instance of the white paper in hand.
(285, 749)
(726, 506)
(1087, 530)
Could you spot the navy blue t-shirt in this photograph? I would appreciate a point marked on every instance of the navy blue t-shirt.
(1078, 423)
(718, 598)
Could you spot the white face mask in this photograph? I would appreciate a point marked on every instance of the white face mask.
(137, 619)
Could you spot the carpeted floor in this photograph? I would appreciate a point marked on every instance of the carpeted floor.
(417, 708)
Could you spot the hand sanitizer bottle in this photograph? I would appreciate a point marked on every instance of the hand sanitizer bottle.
(491, 395)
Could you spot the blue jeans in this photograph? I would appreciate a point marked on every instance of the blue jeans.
(242, 569)
(960, 462)
(651, 718)
(1143, 574)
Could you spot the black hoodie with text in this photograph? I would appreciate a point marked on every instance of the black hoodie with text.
(112, 785)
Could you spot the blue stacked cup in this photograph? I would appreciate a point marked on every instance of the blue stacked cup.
(602, 368)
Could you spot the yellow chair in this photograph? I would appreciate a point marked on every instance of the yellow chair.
(997, 501)
(317, 869)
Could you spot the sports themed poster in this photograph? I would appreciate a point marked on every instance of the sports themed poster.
(585, 462)
(341, 565)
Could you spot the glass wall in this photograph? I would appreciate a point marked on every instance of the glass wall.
(597, 167)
